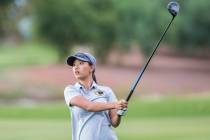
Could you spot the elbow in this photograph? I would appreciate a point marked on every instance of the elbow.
(115, 125)
(115, 121)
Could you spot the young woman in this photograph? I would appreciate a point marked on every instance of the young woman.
(93, 107)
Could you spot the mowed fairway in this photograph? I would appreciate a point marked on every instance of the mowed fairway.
(141, 129)
(165, 119)
(165, 129)
(34, 130)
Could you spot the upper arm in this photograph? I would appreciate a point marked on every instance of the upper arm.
(74, 98)
(69, 93)
(81, 102)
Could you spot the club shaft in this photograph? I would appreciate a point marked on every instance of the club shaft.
(145, 66)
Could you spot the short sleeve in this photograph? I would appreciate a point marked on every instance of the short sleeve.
(112, 97)
(69, 93)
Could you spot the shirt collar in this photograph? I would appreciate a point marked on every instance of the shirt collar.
(79, 86)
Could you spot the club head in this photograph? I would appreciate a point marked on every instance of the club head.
(173, 8)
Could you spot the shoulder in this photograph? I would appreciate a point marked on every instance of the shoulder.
(70, 92)
(70, 88)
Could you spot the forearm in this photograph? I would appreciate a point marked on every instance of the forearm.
(91, 106)
(115, 119)
(96, 106)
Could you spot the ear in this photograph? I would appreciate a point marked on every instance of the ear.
(91, 68)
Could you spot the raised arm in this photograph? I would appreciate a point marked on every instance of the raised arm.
(83, 103)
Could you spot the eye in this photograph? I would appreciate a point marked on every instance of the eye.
(81, 63)
(73, 64)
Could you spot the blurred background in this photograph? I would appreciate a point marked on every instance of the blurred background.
(172, 101)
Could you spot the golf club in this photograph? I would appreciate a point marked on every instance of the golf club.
(173, 8)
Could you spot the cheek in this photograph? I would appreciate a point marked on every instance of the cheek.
(86, 69)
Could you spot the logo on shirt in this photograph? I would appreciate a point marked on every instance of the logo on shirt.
(99, 93)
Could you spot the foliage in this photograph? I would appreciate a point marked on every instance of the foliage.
(140, 21)
(106, 22)
(5, 2)
(4, 19)
(67, 23)
(194, 25)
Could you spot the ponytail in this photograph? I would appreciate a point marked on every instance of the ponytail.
(93, 74)
(94, 77)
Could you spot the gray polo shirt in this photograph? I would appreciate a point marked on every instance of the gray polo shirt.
(90, 125)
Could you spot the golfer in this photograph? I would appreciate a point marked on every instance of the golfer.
(93, 107)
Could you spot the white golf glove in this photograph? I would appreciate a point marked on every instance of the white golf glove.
(122, 112)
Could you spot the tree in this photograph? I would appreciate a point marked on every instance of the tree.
(141, 21)
(194, 27)
(4, 12)
(104, 22)
(70, 22)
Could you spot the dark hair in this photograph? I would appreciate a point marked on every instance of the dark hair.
(94, 76)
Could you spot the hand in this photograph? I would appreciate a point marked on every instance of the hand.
(122, 112)
(121, 104)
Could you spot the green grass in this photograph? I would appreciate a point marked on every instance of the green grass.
(52, 111)
(142, 108)
(163, 119)
(12, 129)
(27, 54)
(165, 129)
(170, 107)
(133, 129)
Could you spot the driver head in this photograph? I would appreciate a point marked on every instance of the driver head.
(173, 8)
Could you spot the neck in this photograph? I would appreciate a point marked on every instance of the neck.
(86, 83)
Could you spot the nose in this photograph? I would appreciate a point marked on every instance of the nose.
(76, 66)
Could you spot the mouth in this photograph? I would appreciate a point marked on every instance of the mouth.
(76, 72)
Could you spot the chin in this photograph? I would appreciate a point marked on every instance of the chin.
(80, 78)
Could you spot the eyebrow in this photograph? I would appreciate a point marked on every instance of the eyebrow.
(78, 60)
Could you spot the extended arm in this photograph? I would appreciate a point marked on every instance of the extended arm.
(81, 102)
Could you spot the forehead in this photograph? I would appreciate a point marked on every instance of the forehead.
(78, 61)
